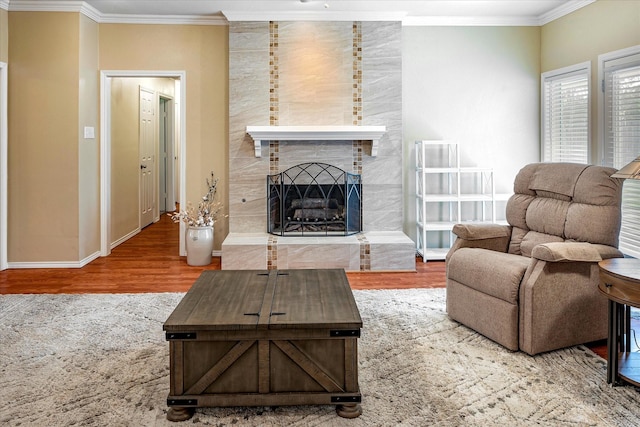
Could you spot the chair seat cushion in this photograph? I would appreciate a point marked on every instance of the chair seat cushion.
(493, 273)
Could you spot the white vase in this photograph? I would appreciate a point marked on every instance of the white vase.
(199, 242)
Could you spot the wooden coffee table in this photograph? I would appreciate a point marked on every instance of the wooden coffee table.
(265, 338)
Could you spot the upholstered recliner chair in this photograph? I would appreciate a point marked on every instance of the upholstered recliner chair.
(532, 285)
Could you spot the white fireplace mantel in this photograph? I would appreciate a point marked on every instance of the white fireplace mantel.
(316, 133)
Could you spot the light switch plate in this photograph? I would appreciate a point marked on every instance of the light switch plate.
(89, 132)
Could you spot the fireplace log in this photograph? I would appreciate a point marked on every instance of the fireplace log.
(314, 203)
(314, 214)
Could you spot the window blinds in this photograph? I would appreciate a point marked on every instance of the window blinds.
(622, 139)
(565, 115)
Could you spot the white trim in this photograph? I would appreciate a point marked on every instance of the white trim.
(106, 18)
(105, 162)
(90, 12)
(609, 56)
(54, 6)
(56, 264)
(105, 146)
(324, 15)
(618, 54)
(125, 238)
(113, 18)
(4, 167)
(471, 21)
(560, 73)
(48, 6)
(316, 133)
(562, 10)
(567, 70)
(497, 21)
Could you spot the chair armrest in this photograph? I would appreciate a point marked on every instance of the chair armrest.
(481, 231)
(607, 251)
(494, 237)
(566, 252)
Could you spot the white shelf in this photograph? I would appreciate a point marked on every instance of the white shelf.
(436, 170)
(433, 254)
(315, 133)
(436, 226)
(448, 194)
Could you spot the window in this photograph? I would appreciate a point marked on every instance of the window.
(565, 114)
(620, 107)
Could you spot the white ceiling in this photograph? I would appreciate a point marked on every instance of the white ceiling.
(411, 12)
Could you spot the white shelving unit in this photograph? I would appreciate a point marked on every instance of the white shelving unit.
(448, 194)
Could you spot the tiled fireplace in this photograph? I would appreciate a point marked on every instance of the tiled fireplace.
(315, 90)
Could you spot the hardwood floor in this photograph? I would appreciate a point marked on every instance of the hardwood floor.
(149, 262)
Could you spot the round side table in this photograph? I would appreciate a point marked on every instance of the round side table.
(620, 283)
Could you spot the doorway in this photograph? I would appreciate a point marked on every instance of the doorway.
(166, 158)
(106, 173)
(147, 150)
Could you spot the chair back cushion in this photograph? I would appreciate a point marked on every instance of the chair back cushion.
(554, 202)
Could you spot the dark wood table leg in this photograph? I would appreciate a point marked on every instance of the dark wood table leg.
(627, 328)
(349, 410)
(180, 414)
(612, 341)
(617, 327)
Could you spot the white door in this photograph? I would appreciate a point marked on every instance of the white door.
(147, 157)
(165, 167)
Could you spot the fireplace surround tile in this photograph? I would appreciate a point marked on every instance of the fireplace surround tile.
(391, 251)
(276, 78)
(245, 251)
(387, 251)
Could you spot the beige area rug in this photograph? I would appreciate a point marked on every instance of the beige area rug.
(102, 360)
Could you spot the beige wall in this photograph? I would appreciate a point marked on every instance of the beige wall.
(88, 149)
(603, 26)
(125, 163)
(201, 51)
(54, 93)
(125, 153)
(43, 137)
(4, 35)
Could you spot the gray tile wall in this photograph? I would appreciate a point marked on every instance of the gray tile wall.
(307, 73)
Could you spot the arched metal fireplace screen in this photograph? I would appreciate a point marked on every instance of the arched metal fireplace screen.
(314, 199)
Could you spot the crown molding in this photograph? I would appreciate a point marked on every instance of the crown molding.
(90, 12)
(497, 21)
(562, 10)
(113, 18)
(84, 8)
(312, 16)
(46, 6)
(470, 21)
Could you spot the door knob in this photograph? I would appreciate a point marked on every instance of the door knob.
(143, 166)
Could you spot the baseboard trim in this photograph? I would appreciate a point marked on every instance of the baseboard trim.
(125, 238)
(55, 264)
(70, 264)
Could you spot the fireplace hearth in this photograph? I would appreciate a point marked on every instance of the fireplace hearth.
(314, 199)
